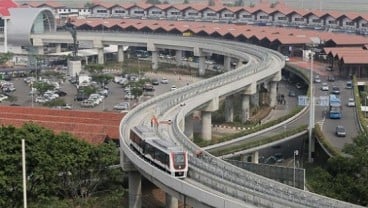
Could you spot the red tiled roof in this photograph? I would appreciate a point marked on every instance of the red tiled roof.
(349, 55)
(265, 6)
(5, 5)
(93, 127)
(284, 35)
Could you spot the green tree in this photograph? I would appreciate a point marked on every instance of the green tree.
(345, 178)
(58, 166)
(5, 57)
(42, 87)
(88, 90)
(55, 102)
(94, 68)
(103, 79)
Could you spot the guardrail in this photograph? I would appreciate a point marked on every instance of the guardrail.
(217, 174)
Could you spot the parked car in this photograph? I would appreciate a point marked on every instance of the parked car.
(9, 89)
(65, 107)
(122, 106)
(173, 87)
(351, 102)
(340, 131)
(3, 97)
(164, 81)
(81, 97)
(324, 87)
(61, 93)
(129, 96)
(40, 99)
(88, 103)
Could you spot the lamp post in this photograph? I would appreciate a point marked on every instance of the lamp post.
(24, 174)
(311, 113)
(32, 91)
(296, 152)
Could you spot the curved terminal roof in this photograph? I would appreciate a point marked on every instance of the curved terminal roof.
(25, 21)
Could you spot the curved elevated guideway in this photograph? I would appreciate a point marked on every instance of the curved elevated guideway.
(211, 182)
(221, 185)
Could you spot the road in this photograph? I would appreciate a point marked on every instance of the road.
(348, 120)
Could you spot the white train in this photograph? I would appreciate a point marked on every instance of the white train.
(164, 154)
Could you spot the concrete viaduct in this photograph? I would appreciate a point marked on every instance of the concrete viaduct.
(212, 182)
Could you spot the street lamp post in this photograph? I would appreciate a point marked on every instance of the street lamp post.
(32, 91)
(296, 152)
(311, 113)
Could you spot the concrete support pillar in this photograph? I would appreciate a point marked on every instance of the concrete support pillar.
(120, 53)
(100, 56)
(86, 60)
(135, 189)
(206, 132)
(188, 129)
(178, 56)
(154, 60)
(5, 35)
(245, 108)
(227, 63)
(254, 99)
(171, 202)
(202, 65)
(240, 63)
(229, 108)
(58, 47)
(255, 157)
(249, 92)
(244, 157)
(273, 94)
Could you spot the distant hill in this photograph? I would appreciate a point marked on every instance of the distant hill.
(341, 5)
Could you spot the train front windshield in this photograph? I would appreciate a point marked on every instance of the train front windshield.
(179, 160)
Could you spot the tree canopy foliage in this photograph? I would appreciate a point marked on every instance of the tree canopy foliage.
(4, 57)
(345, 178)
(58, 166)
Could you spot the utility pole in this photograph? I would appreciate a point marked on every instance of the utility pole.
(24, 174)
(311, 113)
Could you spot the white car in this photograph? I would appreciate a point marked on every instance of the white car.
(41, 99)
(122, 106)
(317, 79)
(173, 88)
(325, 87)
(164, 81)
(3, 97)
(351, 102)
(129, 96)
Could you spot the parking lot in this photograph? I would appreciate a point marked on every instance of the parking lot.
(115, 96)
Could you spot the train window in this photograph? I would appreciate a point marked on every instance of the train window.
(179, 158)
